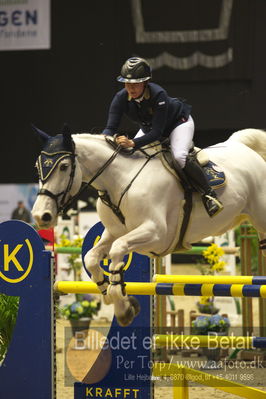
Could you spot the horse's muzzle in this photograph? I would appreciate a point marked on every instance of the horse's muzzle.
(44, 220)
(47, 217)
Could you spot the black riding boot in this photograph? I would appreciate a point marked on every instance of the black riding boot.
(198, 179)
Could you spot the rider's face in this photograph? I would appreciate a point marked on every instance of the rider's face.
(135, 90)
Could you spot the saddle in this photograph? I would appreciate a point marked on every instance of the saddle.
(215, 175)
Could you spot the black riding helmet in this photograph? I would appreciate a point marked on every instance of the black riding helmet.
(135, 70)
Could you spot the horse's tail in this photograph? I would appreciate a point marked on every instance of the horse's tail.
(253, 138)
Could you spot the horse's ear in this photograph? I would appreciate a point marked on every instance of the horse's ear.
(67, 135)
(66, 130)
(42, 135)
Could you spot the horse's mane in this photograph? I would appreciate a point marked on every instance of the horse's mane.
(85, 137)
(88, 136)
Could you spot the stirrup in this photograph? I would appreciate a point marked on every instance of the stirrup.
(212, 205)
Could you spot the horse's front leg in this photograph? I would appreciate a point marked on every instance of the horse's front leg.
(92, 263)
(126, 308)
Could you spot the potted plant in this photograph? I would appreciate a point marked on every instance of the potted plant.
(85, 306)
(203, 325)
(81, 312)
(206, 305)
(211, 325)
(212, 255)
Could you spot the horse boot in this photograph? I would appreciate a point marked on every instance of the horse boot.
(198, 179)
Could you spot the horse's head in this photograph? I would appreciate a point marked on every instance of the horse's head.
(60, 177)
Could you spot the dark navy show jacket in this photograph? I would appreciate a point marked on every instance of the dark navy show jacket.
(157, 114)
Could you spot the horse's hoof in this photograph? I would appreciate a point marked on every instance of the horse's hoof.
(131, 312)
(135, 303)
(127, 318)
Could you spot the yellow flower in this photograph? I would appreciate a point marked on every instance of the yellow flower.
(218, 267)
(213, 253)
(77, 242)
(204, 300)
(94, 304)
(79, 309)
(65, 242)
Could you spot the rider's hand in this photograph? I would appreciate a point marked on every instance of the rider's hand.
(125, 142)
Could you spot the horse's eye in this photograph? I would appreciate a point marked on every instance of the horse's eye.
(63, 167)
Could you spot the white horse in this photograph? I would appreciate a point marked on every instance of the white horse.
(147, 204)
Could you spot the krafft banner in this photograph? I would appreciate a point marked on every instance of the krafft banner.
(24, 24)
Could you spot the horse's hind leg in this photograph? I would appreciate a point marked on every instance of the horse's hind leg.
(126, 308)
(92, 263)
(258, 219)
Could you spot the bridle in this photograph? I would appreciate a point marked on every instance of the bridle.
(54, 158)
(61, 203)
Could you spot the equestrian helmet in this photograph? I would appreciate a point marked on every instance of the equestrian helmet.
(135, 70)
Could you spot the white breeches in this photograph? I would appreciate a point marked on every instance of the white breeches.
(180, 139)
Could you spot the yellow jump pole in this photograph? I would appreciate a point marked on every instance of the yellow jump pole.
(235, 290)
(86, 287)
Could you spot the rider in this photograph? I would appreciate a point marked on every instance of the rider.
(158, 116)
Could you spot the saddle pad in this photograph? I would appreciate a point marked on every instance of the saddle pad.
(214, 174)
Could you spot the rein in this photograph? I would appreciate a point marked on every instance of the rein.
(149, 157)
(97, 174)
(105, 198)
(64, 205)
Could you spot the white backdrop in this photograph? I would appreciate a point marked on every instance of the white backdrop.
(24, 24)
(10, 194)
